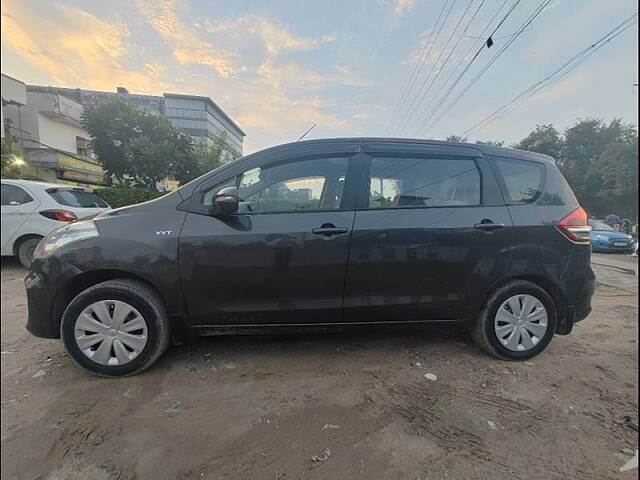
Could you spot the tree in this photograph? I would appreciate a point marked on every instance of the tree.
(206, 158)
(456, 138)
(7, 156)
(599, 160)
(544, 139)
(136, 146)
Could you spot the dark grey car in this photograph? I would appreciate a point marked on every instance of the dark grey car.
(355, 231)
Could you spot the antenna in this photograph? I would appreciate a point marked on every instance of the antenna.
(305, 133)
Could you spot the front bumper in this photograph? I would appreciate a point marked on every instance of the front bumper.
(45, 285)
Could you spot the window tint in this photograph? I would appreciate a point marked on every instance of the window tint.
(522, 180)
(78, 198)
(421, 182)
(12, 195)
(301, 185)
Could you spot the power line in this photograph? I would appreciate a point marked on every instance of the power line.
(421, 96)
(556, 75)
(417, 68)
(435, 39)
(485, 43)
(477, 77)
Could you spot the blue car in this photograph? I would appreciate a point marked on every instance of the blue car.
(605, 239)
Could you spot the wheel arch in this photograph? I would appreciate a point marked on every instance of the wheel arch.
(22, 238)
(179, 326)
(547, 285)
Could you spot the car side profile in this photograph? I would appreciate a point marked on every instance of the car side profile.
(357, 231)
(32, 210)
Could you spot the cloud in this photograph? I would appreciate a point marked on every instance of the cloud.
(187, 47)
(272, 94)
(274, 37)
(73, 47)
(402, 6)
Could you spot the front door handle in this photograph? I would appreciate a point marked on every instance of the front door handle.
(329, 229)
(488, 226)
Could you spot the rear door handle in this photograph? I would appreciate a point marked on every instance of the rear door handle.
(489, 226)
(329, 230)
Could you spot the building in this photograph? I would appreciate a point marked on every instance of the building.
(200, 117)
(46, 129)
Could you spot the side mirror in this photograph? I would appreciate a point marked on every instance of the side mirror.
(225, 201)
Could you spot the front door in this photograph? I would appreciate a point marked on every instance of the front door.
(429, 238)
(282, 258)
(17, 207)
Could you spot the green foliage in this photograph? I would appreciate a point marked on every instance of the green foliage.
(206, 158)
(8, 169)
(544, 139)
(136, 146)
(124, 196)
(456, 138)
(599, 160)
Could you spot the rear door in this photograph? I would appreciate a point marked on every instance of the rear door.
(282, 258)
(17, 206)
(431, 234)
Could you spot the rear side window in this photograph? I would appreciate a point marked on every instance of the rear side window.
(12, 195)
(77, 198)
(423, 182)
(522, 180)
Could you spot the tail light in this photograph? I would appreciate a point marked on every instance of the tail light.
(575, 226)
(59, 215)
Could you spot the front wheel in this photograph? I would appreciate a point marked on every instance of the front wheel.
(116, 328)
(518, 321)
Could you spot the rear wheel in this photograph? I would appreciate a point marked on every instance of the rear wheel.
(116, 328)
(518, 321)
(26, 249)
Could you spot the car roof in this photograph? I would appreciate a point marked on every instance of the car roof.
(408, 142)
(37, 184)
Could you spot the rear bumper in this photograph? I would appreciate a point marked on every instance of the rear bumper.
(44, 319)
(578, 310)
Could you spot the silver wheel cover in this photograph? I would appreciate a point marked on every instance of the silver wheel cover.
(521, 322)
(110, 332)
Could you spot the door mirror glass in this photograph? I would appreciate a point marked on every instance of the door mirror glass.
(225, 201)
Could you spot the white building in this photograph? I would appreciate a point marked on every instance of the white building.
(47, 130)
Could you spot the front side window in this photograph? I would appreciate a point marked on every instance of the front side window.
(423, 182)
(304, 185)
(521, 179)
(12, 195)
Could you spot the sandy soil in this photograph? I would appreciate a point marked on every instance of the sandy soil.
(340, 405)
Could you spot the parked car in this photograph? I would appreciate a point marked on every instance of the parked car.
(320, 233)
(31, 210)
(606, 239)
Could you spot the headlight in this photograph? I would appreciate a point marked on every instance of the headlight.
(65, 235)
(602, 237)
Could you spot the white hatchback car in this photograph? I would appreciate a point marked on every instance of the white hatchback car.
(31, 210)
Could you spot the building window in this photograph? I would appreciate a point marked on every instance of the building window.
(82, 147)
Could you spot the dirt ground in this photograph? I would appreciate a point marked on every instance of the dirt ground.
(340, 405)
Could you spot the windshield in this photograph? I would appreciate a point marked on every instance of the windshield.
(78, 199)
(599, 225)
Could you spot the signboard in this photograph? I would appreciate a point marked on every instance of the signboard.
(77, 164)
(69, 109)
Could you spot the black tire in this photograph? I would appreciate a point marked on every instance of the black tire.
(136, 294)
(26, 249)
(484, 333)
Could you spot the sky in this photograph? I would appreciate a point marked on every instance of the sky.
(278, 67)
